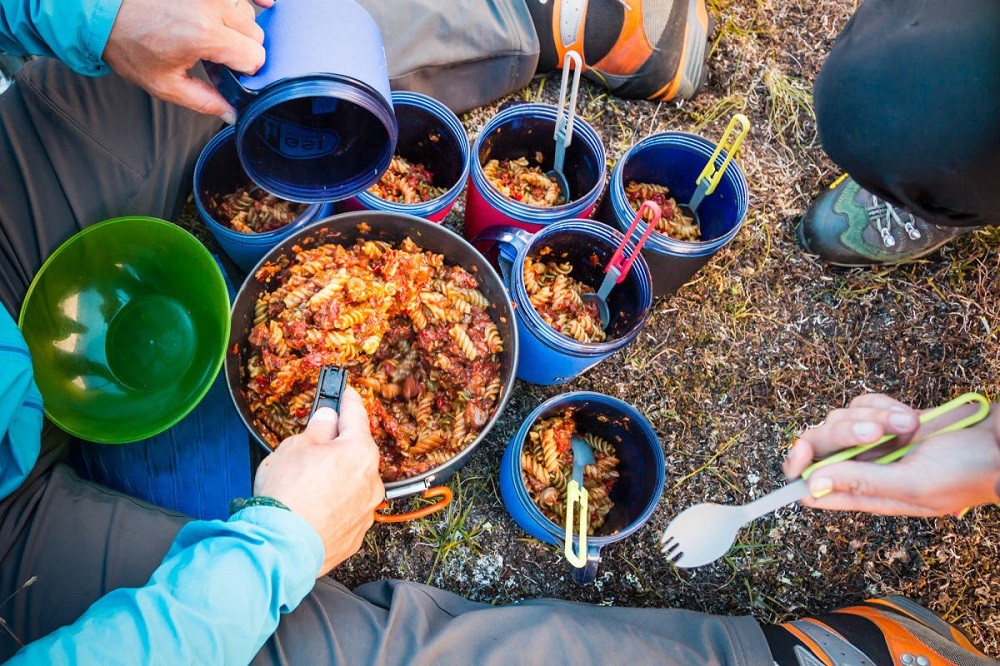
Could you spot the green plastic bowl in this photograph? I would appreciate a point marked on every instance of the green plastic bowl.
(127, 323)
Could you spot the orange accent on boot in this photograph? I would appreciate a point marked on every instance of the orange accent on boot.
(577, 45)
(897, 638)
(957, 635)
(810, 643)
(702, 15)
(632, 48)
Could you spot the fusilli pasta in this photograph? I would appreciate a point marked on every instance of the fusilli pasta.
(252, 210)
(674, 222)
(547, 466)
(556, 298)
(406, 182)
(420, 347)
(526, 184)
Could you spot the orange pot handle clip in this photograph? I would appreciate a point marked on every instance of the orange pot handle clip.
(444, 492)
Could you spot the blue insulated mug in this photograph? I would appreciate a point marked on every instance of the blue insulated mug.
(675, 159)
(432, 135)
(635, 495)
(218, 172)
(316, 123)
(547, 356)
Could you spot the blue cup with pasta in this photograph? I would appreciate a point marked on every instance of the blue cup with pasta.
(431, 164)
(666, 166)
(546, 274)
(246, 221)
(624, 483)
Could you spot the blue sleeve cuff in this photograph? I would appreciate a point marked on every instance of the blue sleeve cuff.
(20, 409)
(96, 36)
(74, 31)
(301, 546)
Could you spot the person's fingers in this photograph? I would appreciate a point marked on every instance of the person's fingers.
(323, 426)
(240, 17)
(798, 458)
(353, 416)
(264, 3)
(860, 425)
(878, 401)
(193, 93)
(236, 51)
(862, 486)
(883, 506)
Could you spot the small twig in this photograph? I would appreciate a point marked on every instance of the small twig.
(3, 623)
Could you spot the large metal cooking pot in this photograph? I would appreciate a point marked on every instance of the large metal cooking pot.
(346, 229)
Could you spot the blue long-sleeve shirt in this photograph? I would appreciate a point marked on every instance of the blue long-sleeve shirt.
(74, 31)
(218, 593)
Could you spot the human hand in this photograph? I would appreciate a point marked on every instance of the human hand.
(943, 474)
(155, 44)
(328, 474)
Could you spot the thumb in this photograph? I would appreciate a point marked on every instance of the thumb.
(354, 419)
(322, 427)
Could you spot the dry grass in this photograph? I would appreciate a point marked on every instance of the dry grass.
(763, 342)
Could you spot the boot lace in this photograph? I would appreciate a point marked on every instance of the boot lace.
(884, 216)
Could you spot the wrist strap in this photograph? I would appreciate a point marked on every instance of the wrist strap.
(240, 503)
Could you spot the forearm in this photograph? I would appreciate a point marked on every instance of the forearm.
(75, 31)
(216, 597)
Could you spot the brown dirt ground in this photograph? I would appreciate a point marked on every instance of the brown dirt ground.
(763, 342)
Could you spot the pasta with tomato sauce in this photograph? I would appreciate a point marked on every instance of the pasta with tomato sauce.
(547, 467)
(413, 332)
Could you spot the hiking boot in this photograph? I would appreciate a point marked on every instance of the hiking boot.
(891, 630)
(849, 226)
(640, 49)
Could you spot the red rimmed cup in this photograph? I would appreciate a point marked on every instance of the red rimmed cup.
(520, 131)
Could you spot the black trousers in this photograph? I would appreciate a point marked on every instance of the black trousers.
(908, 103)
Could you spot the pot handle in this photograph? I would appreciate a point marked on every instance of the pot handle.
(228, 85)
(588, 572)
(509, 240)
(444, 492)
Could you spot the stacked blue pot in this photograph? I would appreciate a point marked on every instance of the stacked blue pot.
(218, 172)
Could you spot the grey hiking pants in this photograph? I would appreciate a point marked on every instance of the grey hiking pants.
(74, 151)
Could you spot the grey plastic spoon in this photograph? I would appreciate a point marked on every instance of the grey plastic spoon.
(619, 266)
(564, 120)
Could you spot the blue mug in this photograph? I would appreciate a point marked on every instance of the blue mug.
(675, 159)
(218, 172)
(637, 492)
(316, 123)
(546, 356)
